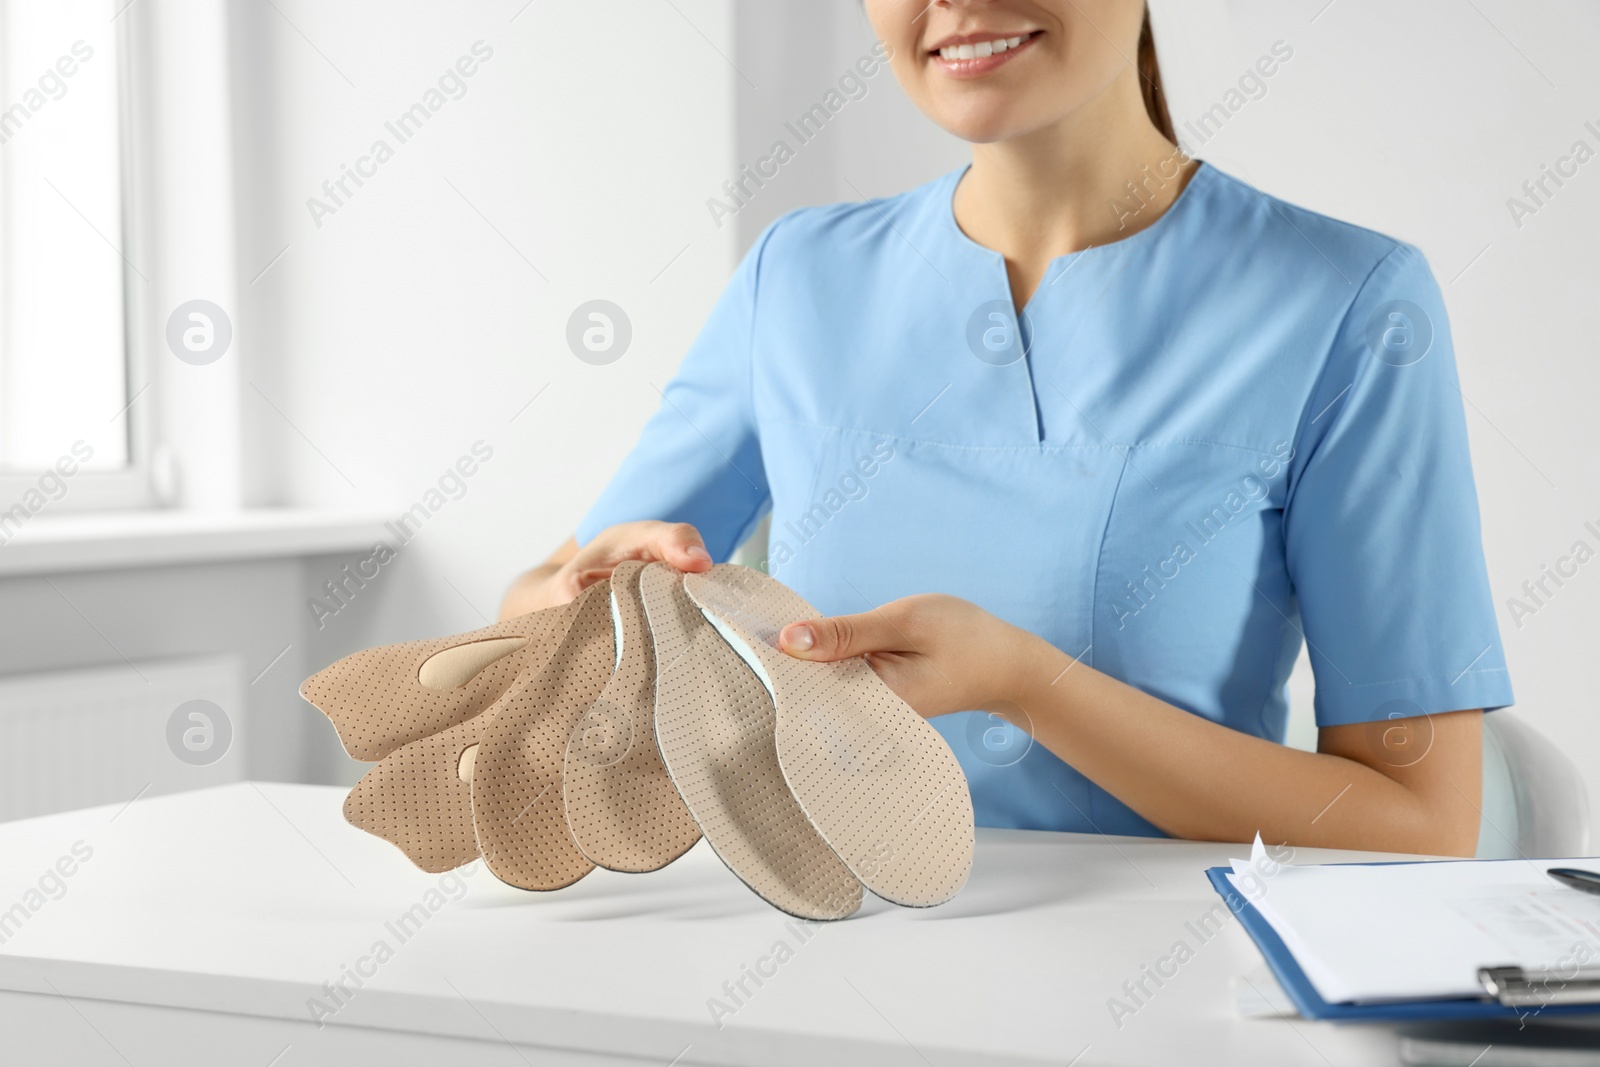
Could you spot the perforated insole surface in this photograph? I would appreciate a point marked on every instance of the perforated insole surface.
(399, 695)
(714, 725)
(877, 781)
(517, 809)
(622, 808)
(381, 698)
(415, 799)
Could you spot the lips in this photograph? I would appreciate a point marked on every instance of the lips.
(974, 55)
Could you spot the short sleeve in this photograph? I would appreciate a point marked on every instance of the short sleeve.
(1381, 522)
(698, 459)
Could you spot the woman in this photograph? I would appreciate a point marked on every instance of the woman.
(1220, 425)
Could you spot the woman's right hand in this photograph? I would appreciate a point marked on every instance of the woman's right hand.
(572, 569)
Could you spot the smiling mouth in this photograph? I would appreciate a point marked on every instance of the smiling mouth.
(974, 58)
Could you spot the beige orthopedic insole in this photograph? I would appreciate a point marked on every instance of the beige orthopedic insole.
(417, 708)
(874, 778)
(714, 725)
(382, 698)
(517, 808)
(655, 707)
(622, 808)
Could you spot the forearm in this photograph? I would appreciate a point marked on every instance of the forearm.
(1195, 778)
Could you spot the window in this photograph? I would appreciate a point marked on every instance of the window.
(65, 276)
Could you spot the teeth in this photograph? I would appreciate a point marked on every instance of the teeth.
(981, 49)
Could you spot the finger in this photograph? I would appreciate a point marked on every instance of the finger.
(677, 544)
(565, 586)
(579, 580)
(840, 637)
(680, 544)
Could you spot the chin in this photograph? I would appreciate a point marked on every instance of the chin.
(984, 124)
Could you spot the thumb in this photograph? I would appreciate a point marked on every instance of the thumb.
(839, 637)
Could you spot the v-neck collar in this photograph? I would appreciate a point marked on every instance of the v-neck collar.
(944, 205)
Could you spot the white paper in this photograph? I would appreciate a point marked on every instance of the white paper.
(1421, 930)
(1254, 879)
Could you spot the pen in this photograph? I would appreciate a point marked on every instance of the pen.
(1588, 881)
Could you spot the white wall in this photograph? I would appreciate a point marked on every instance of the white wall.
(415, 321)
(1419, 120)
(878, 145)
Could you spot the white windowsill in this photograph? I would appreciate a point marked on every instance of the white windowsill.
(107, 540)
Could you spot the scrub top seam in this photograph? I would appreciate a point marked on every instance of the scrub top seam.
(1173, 442)
(834, 441)
(1034, 447)
(1277, 202)
(1424, 678)
(1322, 376)
(1099, 559)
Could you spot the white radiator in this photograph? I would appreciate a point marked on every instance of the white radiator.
(105, 735)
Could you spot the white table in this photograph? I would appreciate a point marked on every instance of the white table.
(202, 926)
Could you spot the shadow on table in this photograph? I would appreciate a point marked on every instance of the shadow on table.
(1010, 876)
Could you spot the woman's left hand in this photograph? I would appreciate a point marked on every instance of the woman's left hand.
(938, 653)
(1189, 776)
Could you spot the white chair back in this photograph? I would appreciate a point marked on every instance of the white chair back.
(1534, 801)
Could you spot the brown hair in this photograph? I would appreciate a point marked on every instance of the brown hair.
(1155, 100)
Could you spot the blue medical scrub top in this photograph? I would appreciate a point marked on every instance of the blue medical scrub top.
(1234, 430)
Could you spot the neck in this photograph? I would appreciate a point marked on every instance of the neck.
(1066, 186)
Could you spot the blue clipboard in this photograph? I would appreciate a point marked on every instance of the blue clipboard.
(1310, 1004)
